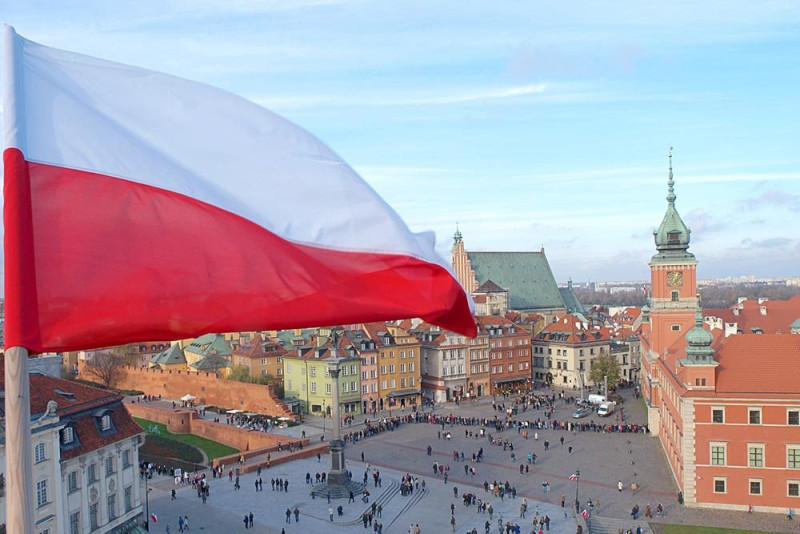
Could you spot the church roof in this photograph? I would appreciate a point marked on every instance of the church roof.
(571, 300)
(526, 275)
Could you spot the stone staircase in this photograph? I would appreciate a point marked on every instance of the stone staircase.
(384, 497)
(607, 525)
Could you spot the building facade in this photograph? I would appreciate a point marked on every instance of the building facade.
(509, 354)
(85, 449)
(564, 349)
(399, 375)
(306, 378)
(725, 409)
(444, 364)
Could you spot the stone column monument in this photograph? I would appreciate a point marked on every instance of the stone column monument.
(338, 483)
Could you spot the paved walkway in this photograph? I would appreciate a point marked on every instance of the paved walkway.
(430, 509)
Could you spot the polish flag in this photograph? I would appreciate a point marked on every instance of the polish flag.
(154, 518)
(573, 477)
(139, 205)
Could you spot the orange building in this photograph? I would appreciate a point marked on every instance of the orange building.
(726, 410)
(262, 356)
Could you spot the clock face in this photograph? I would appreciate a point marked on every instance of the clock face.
(674, 278)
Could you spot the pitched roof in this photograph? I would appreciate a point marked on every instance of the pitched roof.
(780, 314)
(173, 355)
(76, 406)
(572, 329)
(261, 346)
(526, 275)
(489, 287)
(775, 356)
(571, 300)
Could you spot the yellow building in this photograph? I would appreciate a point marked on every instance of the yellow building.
(399, 373)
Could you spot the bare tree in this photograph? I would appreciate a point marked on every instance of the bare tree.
(107, 365)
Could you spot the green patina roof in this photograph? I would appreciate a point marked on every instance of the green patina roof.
(571, 300)
(526, 275)
(699, 339)
(172, 355)
(672, 236)
(795, 323)
(210, 344)
(210, 362)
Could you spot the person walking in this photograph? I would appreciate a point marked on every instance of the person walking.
(452, 523)
(296, 514)
(250, 517)
(330, 513)
(289, 516)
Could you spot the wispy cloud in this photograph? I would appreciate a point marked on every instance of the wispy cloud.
(772, 198)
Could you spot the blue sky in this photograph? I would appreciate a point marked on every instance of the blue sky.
(530, 123)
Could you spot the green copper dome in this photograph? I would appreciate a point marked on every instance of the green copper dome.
(672, 236)
(700, 340)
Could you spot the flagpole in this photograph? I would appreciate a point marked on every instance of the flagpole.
(19, 468)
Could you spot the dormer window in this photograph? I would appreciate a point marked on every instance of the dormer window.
(67, 435)
(387, 340)
(673, 237)
(105, 423)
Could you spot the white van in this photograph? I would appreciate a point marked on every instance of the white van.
(597, 399)
(605, 409)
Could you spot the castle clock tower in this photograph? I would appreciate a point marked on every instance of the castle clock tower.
(673, 277)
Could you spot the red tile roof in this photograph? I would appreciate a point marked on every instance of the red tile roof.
(767, 363)
(570, 329)
(779, 315)
(78, 403)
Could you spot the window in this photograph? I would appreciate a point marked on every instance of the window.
(793, 417)
(793, 489)
(676, 328)
(717, 415)
(391, 368)
(392, 383)
(402, 368)
(718, 454)
(755, 455)
(72, 481)
(328, 388)
(353, 370)
(383, 369)
(91, 472)
(719, 485)
(112, 506)
(109, 465)
(411, 382)
(675, 296)
(75, 523)
(754, 416)
(126, 458)
(312, 371)
(39, 453)
(755, 486)
(402, 382)
(402, 354)
(793, 457)
(263, 361)
(411, 367)
(313, 387)
(129, 498)
(105, 422)
(93, 516)
(364, 389)
(41, 493)
(67, 435)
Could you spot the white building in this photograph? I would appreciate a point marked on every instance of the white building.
(85, 449)
(444, 366)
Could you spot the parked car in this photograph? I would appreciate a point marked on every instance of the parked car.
(581, 412)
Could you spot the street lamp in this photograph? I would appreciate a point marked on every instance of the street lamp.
(577, 485)
(324, 415)
(146, 501)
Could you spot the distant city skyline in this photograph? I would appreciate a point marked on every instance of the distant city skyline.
(528, 124)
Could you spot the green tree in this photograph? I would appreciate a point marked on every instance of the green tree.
(605, 365)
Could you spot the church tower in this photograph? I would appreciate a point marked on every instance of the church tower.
(673, 277)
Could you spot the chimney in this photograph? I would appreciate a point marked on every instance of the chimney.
(763, 309)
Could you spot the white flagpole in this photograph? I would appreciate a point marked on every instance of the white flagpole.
(19, 463)
(19, 468)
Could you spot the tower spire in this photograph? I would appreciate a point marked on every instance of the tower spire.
(671, 182)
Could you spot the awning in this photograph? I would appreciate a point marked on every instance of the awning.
(403, 393)
(508, 380)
